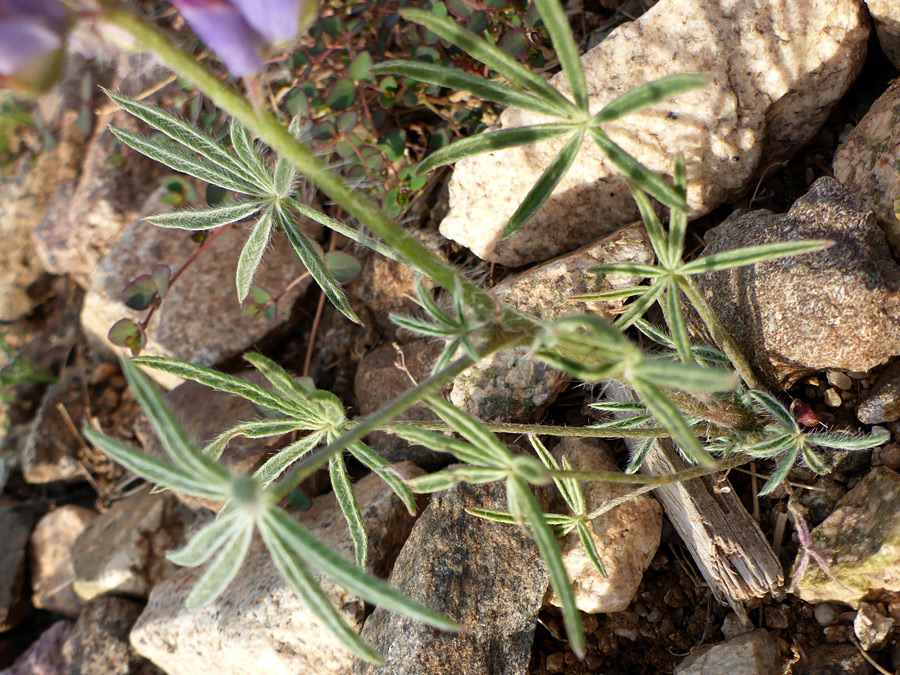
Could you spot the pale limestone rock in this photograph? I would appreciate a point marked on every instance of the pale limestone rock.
(886, 17)
(200, 319)
(871, 626)
(867, 161)
(258, 625)
(626, 537)
(775, 70)
(123, 551)
(753, 653)
(50, 551)
(510, 385)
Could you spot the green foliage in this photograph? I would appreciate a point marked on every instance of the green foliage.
(17, 370)
(250, 507)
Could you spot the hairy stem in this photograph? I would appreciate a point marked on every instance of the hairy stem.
(551, 430)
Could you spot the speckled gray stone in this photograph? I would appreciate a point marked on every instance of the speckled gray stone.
(123, 551)
(882, 404)
(834, 309)
(773, 78)
(509, 384)
(626, 537)
(258, 625)
(753, 653)
(485, 575)
(866, 162)
(98, 642)
(860, 541)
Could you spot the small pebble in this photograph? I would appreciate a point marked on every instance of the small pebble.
(777, 616)
(732, 626)
(833, 398)
(556, 662)
(102, 373)
(839, 380)
(836, 634)
(856, 375)
(826, 614)
(889, 456)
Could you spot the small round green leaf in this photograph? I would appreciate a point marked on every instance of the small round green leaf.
(140, 293)
(344, 267)
(359, 69)
(342, 94)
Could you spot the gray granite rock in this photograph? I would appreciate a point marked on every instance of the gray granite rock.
(834, 309)
(258, 625)
(123, 551)
(200, 319)
(886, 17)
(510, 385)
(380, 379)
(15, 523)
(23, 200)
(882, 403)
(866, 161)
(773, 79)
(50, 555)
(487, 576)
(87, 217)
(44, 656)
(98, 642)
(52, 452)
(860, 542)
(626, 537)
(753, 653)
(838, 659)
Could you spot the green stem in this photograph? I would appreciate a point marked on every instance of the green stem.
(274, 134)
(551, 430)
(719, 333)
(653, 482)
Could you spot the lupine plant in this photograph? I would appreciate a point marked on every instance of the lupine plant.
(686, 391)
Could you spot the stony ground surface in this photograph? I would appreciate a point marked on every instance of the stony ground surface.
(83, 555)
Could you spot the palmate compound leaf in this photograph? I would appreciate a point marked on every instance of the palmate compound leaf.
(225, 542)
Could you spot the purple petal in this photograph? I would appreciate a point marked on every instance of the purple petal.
(50, 12)
(276, 20)
(224, 29)
(23, 41)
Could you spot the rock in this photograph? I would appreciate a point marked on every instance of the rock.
(117, 185)
(626, 537)
(98, 642)
(886, 17)
(882, 404)
(828, 659)
(50, 554)
(15, 524)
(826, 613)
(860, 541)
(386, 287)
(380, 379)
(871, 626)
(865, 161)
(123, 551)
(85, 220)
(23, 201)
(205, 413)
(753, 653)
(510, 385)
(772, 82)
(44, 656)
(184, 327)
(487, 576)
(835, 309)
(52, 452)
(258, 622)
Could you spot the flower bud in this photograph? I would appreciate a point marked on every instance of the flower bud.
(240, 31)
(32, 44)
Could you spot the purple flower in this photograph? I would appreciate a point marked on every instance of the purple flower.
(239, 31)
(32, 44)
